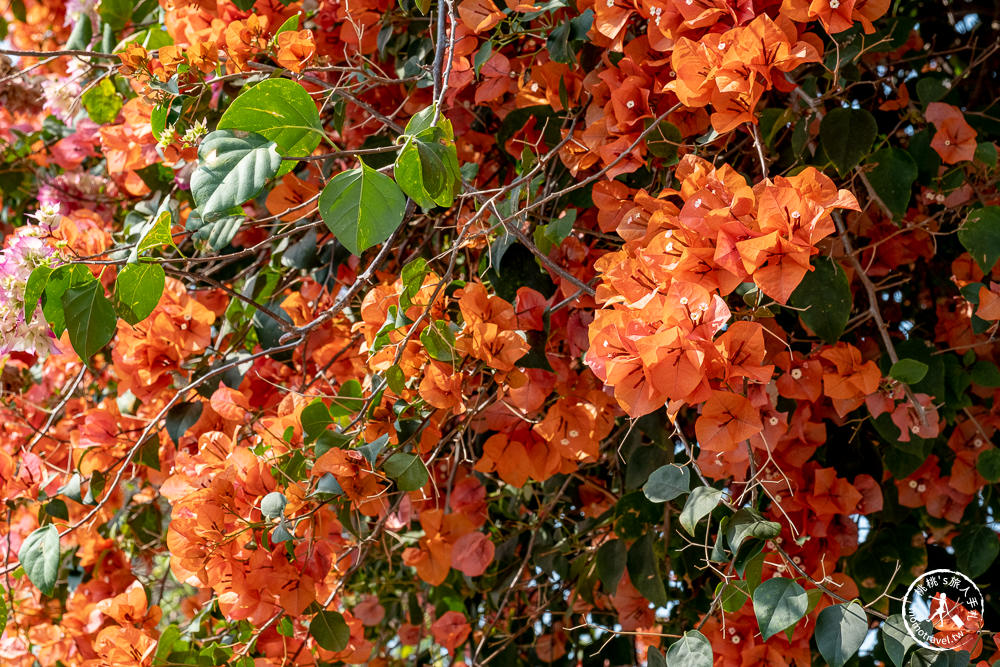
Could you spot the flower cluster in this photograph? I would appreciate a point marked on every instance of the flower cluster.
(23, 252)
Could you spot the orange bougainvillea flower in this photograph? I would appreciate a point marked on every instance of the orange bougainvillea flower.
(955, 140)
(854, 377)
(472, 554)
(450, 630)
(732, 70)
(288, 198)
(295, 49)
(230, 404)
(479, 15)
(835, 15)
(203, 56)
(727, 420)
(989, 302)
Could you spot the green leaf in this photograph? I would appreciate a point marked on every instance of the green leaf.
(892, 176)
(732, 596)
(279, 110)
(148, 453)
(752, 571)
(421, 121)
(413, 279)
(219, 230)
(439, 341)
(39, 556)
(150, 38)
(895, 639)
(975, 550)
(330, 630)
(180, 418)
(138, 289)
(362, 208)
(984, 373)
(925, 657)
(988, 465)
(427, 171)
(396, 379)
(666, 483)
(692, 650)
(778, 603)
(72, 488)
(290, 24)
(825, 296)
(116, 13)
(408, 470)
(231, 170)
(60, 280)
(748, 522)
(699, 504)
(644, 570)
(986, 153)
(80, 38)
(840, 631)
(654, 658)
(611, 559)
(909, 371)
(168, 640)
(315, 418)
(932, 88)
(557, 230)
(285, 627)
(157, 234)
(34, 289)
(664, 142)
(847, 135)
(102, 102)
(349, 399)
(273, 504)
(90, 318)
(371, 450)
(981, 236)
(4, 611)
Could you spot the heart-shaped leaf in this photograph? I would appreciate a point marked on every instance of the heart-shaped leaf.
(138, 289)
(778, 603)
(362, 207)
(666, 483)
(840, 631)
(330, 630)
(692, 650)
(39, 556)
(90, 318)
